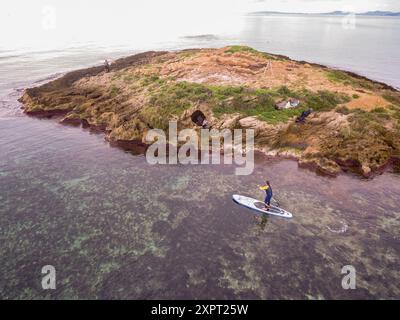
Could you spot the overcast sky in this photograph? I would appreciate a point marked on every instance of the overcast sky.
(324, 5)
(168, 6)
(24, 21)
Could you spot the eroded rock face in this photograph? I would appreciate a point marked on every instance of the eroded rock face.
(233, 87)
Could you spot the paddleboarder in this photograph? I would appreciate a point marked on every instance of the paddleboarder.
(268, 194)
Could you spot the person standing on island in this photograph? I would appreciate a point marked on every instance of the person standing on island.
(106, 65)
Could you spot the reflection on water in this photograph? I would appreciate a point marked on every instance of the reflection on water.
(115, 227)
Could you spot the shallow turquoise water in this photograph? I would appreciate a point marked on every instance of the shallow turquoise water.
(116, 227)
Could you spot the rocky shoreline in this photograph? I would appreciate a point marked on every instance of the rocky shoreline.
(355, 125)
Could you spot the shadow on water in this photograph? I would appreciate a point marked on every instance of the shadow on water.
(261, 222)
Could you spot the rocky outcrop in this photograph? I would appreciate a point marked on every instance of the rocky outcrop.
(234, 87)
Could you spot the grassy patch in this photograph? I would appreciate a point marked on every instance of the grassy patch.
(173, 98)
(114, 91)
(150, 79)
(382, 113)
(346, 79)
(235, 49)
(238, 48)
(338, 76)
(379, 110)
(394, 112)
(129, 78)
(118, 75)
(323, 100)
(249, 102)
(261, 106)
(377, 117)
(370, 124)
(260, 103)
(392, 98)
(396, 115)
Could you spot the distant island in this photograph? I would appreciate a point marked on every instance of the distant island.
(333, 13)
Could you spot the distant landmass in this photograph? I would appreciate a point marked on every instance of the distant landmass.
(335, 13)
(369, 13)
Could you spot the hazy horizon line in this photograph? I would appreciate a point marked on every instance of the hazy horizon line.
(328, 12)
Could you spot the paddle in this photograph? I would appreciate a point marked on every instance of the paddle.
(276, 202)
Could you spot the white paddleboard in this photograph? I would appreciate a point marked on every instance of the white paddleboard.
(259, 206)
